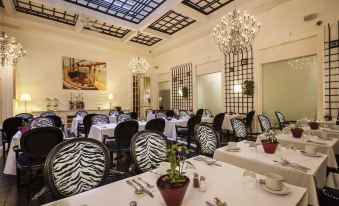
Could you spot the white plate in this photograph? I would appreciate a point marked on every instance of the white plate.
(303, 152)
(284, 191)
(233, 150)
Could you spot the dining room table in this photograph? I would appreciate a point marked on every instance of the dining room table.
(226, 124)
(255, 159)
(330, 146)
(76, 121)
(225, 181)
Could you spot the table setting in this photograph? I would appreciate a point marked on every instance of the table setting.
(209, 184)
(295, 168)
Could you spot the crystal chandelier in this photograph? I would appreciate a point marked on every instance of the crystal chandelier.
(301, 62)
(10, 51)
(138, 66)
(236, 32)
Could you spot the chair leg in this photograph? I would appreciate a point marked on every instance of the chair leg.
(18, 178)
(3, 151)
(28, 183)
(118, 160)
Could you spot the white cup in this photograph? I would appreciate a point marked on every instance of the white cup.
(273, 181)
(311, 149)
(232, 145)
(324, 135)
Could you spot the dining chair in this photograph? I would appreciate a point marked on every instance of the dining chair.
(9, 129)
(147, 111)
(42, 122)
(248, 121)
(134, 115)
(176, 111)
(265, 123)
(239, 129)
(45, 114)
(25, 116)
(183, 113)
(160, 115)
(188, 132)
(35, 145)
(148, 149)
(200, 112)
(57, 121)
(327, 195)
(123, 134)
(87, 122)
(208, 139)
(73, 167)
(157, 124)
(99, 119)
(282, 120)
(123, 117)
(113, 112)
(81, 114)
(169, 113)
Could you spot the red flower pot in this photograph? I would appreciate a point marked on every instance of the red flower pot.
(269, 147)
(314, 125)
(297, 132)
(173, 196)
(23, 129)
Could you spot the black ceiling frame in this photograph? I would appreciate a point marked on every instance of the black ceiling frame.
(66, 18)
(172, 26)
(145, 39)
(106, 29)
(139, 8)
(209, 3)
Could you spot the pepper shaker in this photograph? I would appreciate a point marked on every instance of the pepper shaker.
(196, 181)
(202, 184)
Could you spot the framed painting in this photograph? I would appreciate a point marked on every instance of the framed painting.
(82, 74)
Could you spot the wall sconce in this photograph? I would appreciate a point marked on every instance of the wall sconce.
(25, 97)
(237, 88)
(110, 98)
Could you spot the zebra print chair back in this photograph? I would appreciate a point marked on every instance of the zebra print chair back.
(25, 115)
(208, 113)
(113, 113)
(76, 166)
(123, 117)
(42, 122)
(81, 114)
(183, 113)
(280, 117)
(160, 115)
(207, 139)
(176, 111)
(99, 119)
(239, 128)
(46, 114)
(264, 122)
(148, 149)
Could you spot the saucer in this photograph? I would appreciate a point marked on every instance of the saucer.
(303, 152)
(284, 191)
(233, 150)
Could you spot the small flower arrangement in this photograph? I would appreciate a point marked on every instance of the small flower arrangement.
(271, 136)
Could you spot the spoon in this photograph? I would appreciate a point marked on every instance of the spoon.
(136, 190)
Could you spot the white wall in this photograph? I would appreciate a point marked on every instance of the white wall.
(284, 34)
(39, 73)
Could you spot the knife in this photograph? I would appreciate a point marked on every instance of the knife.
(143, 188)
(209, 204)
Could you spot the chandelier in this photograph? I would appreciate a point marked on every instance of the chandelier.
(300, 63)
(10, 51)
(138, 66)
(236, 32)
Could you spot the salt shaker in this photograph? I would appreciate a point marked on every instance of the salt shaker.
(202, 184)
(196, 181)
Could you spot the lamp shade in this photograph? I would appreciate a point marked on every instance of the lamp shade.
(110, 96)
(25, 97)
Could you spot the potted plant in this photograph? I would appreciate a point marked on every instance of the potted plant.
(297, 131)
(174, 183)
(271, 142)
(314, 125)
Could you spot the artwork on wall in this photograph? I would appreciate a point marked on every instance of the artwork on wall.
(83, 74)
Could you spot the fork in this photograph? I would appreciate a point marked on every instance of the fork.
(288, 162)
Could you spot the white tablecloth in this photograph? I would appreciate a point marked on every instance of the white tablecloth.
(150, 116)
(258, 161)
(170, 131)
(79, 120)
(98, 131)
(225, 182)
(330, 149)
(226, 124)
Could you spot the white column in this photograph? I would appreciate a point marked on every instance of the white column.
(7, 92)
